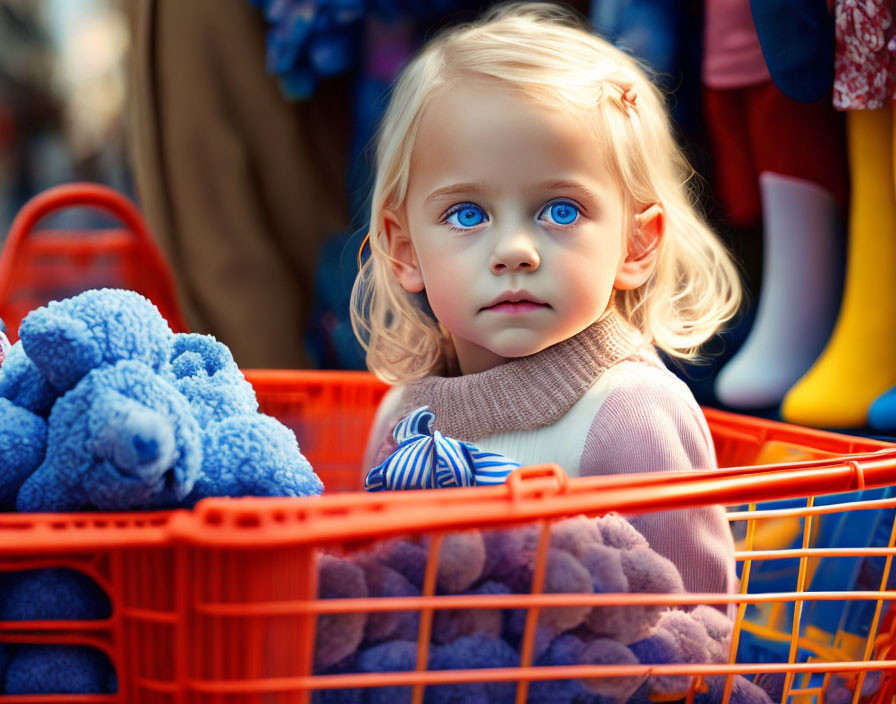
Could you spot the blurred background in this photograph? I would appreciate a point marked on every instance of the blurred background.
(62, 97)
(242, 130)
(89, 91)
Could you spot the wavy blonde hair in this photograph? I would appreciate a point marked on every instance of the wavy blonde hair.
(547, 54)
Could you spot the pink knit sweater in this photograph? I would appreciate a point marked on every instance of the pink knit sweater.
(623, 412)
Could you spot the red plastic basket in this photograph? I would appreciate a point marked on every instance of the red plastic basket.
(37, 266)
(219, 604)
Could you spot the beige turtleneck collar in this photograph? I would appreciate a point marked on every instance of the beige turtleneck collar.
(528, 392)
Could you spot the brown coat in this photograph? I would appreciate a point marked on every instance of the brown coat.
(239, 185)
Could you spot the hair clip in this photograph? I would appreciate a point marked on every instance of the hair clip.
(629, 99)
(626, 98)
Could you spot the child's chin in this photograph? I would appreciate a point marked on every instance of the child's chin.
(519, 348)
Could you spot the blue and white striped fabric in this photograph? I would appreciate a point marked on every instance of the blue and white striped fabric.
(426, 459)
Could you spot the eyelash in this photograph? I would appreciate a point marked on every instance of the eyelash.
(460, 206)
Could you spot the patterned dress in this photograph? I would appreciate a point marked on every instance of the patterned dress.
(865, 59)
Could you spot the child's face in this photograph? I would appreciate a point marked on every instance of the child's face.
(512, 223)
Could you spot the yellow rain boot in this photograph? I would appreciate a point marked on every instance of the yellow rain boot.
(859, 362)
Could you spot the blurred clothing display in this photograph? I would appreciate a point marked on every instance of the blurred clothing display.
(852, 382)
(802, 279)
(797, 39)
(858, 365)
(757, 128)
(780, 166)
(865, 60)
(754, 126)
(649, 29)
(732, 56)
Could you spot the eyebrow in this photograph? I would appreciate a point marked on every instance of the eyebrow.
(454, 190)
(481, 188)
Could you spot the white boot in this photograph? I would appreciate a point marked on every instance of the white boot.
(801, 286)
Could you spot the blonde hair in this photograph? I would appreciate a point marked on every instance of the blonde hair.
(546, 53)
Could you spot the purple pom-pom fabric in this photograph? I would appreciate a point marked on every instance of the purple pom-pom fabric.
(338, 635)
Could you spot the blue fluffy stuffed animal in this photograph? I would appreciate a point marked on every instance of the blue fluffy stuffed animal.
(23, 441)
(22, 383)
(244, 452)
(52, 594)
(67, 339)
(204, 371)
(103, 407)
(122, 438)
(68, 669)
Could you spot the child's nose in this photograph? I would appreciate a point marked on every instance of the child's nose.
(515, 251)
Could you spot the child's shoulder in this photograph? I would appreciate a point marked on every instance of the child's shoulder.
(648, 414)
(644, 380)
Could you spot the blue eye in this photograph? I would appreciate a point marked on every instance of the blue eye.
(466, 215)
(561, 212)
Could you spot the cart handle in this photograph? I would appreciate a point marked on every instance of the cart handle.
(90, 195)
(524, 481)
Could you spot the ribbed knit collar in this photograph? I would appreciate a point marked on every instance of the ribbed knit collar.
(528, 392)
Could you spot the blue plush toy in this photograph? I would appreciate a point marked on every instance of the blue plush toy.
(59, 344)
(394, 656)
(23, 385)
(67, 339)
(52, 594)
(204, 371)
(382, 580)
(102, 407)
(253, 455)
(244, 453)
(122, 438)
(468, 653)
(70, 669)
(23, 440)
(337, 636)
(136, 417)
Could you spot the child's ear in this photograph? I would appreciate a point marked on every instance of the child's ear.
(401, 250)
(647, 233)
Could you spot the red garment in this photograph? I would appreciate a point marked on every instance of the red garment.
(758, 128)
(865, 54)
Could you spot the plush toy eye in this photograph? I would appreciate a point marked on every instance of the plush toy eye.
(561, 212)
(466, 215)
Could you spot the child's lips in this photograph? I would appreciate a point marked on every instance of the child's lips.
(516, 307)
(518, 302)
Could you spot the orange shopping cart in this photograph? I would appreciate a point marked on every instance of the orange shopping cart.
(221, 604)
(38, 265)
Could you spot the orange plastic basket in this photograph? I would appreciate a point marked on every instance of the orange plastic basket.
(219, 604)
(37, 266)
